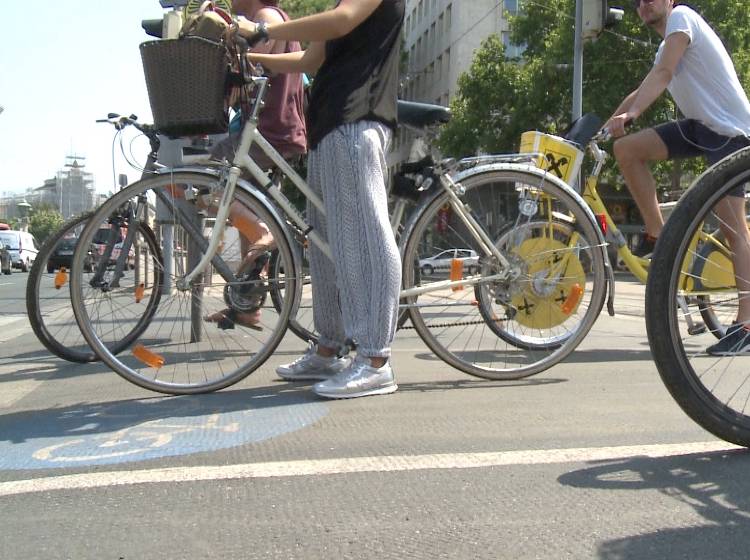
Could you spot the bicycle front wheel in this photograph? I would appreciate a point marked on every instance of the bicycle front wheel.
(514, 321)
(48, 292)
(692, 274)
(212, 332)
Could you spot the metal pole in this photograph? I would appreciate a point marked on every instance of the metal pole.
(578, 63)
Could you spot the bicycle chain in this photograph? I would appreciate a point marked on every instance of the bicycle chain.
(443, 325)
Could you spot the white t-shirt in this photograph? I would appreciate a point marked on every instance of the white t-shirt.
(705, 84)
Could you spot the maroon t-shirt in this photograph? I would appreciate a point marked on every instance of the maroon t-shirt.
(282, 120)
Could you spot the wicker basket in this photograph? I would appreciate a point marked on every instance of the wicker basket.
(187, 82)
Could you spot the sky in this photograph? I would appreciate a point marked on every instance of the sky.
(64, 64)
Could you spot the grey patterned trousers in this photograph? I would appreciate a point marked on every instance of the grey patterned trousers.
(356, 297)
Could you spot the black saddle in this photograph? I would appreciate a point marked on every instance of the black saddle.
(421, 115)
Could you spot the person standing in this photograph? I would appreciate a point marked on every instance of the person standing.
(694, 66)
(354, 48)
(282, 123)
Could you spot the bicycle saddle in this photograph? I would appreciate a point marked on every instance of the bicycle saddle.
(421, 115)
(582, 130)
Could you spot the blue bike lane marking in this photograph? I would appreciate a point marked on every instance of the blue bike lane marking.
(128, 431)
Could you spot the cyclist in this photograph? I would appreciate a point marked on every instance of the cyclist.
(282, 123)
(352, 113)
(694, 66)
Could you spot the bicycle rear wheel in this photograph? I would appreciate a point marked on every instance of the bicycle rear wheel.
(506, 328)
(184, 348)
(48, 291)
(690, 266)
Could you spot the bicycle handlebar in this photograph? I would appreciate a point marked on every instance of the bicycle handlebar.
(120, 122)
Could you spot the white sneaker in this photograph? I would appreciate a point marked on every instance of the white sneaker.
(360, 379)
(312, 366)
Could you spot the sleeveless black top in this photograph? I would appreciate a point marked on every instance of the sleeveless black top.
(359, 77)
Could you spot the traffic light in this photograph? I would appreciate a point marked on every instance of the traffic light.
(597, 15)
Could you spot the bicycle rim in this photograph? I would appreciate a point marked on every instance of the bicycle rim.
(183, 349)
(714, 390)
(512, 328)
(48, 294)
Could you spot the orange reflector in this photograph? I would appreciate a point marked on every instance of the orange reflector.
(602, 219)
(147, 356)
(457, 273)
(61, 278)
(572, 300)
(139, 293)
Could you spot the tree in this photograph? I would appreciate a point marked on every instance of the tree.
(498, 99)
(300, 8)
(44, 221)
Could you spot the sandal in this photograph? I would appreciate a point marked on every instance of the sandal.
(227, 318)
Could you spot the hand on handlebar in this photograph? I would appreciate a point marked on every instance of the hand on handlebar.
(615, 126)
(250, 31)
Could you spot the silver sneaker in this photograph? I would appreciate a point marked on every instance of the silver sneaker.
(360, 379)
(312, 367)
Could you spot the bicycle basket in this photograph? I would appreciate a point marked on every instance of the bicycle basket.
(187, 83)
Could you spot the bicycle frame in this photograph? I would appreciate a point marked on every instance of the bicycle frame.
(636, 265)
(242, 160)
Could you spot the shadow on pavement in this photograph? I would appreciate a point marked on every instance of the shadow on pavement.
(715, 485)
(94, 418)
(582, 356)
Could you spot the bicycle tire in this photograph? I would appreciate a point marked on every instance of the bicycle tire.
(181, 352)
(713, 391)
(51, 316)
(541, 338)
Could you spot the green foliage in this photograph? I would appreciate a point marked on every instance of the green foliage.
(498, 99)
(300, 8)
(44, 221)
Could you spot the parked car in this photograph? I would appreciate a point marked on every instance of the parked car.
(442, 261)
(101, 237)
(62, 255)
(22, 246)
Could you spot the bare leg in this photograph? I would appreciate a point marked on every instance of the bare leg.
(633, 154)
(731, 211)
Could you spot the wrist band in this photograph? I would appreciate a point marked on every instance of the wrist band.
(261, 30)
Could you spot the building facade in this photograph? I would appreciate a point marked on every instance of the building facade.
(440, 37)
(71, 192)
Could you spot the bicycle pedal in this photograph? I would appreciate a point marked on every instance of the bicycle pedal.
(697, 328)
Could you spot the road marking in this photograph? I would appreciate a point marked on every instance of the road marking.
(394, 463)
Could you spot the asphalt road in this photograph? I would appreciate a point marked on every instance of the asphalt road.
(591, 459)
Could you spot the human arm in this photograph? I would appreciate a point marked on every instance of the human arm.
(269, 17)
(652, 86)
(325, 26)
(307, 61)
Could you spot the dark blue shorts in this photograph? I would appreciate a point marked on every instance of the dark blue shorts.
(688, 138)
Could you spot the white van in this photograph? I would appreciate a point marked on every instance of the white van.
(22, 246)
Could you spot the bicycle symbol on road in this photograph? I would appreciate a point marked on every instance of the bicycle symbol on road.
(137, 440)
(103, 434)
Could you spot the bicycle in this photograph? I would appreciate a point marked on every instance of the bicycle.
(47, 291)
(48, 304)
(586, 134)
(520, 313)
(693, 262)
